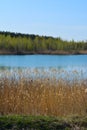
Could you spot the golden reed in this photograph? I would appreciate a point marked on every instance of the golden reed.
(42, 94)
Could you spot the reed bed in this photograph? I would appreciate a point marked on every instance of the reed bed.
(49, 92)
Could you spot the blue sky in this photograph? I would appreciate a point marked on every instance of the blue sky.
(59, 18)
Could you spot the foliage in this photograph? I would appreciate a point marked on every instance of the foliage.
(17, 42)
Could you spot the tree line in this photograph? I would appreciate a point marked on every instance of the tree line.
(17, 42)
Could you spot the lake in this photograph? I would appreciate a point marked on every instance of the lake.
(60, 62)
(43, 60)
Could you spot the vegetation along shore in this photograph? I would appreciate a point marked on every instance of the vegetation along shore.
(20, 44)
(42, 100)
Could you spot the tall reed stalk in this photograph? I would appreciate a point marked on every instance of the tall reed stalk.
(38, 93)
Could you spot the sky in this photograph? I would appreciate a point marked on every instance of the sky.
(58, 18)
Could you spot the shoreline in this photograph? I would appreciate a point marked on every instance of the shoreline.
(44, 53)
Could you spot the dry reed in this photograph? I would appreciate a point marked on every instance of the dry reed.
(42, 92)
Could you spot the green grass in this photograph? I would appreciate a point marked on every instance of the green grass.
(16, 122)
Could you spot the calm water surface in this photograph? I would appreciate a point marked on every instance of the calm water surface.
(70, 65)
(43, 61)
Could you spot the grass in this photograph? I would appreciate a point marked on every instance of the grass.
(43, 99)
(42, 92)
(16, 122)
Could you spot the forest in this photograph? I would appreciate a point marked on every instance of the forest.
(19, 43)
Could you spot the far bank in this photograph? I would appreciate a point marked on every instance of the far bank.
(60, 52)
